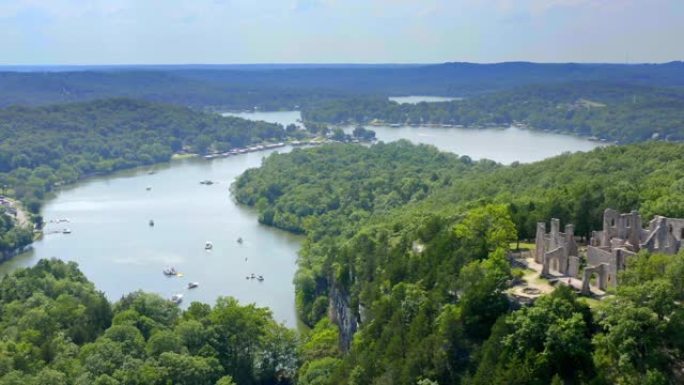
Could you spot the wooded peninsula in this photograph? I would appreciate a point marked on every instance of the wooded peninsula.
(622, 113)
(409, 254)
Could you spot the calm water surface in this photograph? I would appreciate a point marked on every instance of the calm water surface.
(504, 145)
(117, 249)
(282, 117)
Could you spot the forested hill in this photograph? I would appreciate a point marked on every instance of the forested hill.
(322, 189)
(417, 260)
(44, 146)
(273, 87)
(456, 79)
(618, 112)
(57, 329)
(39, 88)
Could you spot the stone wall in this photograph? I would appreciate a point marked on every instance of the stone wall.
(540, 242)
(573, 266)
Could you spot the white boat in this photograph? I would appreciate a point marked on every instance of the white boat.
(170, 271)
(177, 298)
(208, 245)
(66, 231)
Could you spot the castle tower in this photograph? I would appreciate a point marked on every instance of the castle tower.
(635, 230)
(554, 240)
(540, 244)
(570, 244)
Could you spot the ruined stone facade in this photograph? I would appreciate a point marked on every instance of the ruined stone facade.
(623, 235)
(556, 250)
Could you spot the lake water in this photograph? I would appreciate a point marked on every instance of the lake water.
(418, 99)
(283, 117)
(117, 249)
(504, 145)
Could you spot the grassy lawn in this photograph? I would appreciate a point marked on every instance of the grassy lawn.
(593, 303)
(523, 246)
(537, 280)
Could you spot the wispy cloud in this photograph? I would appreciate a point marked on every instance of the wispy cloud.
(173, 31)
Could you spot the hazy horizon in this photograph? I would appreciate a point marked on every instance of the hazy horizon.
(315, 64)
(206, 32)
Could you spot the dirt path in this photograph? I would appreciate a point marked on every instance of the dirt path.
(22, 216)
(534, 285)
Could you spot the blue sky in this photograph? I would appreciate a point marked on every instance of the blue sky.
(339, 31)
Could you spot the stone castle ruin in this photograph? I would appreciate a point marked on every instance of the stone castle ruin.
(623, 236)
(556, 250)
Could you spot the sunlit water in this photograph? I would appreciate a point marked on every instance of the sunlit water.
(283, 117)
(117, 249)
(505, 145)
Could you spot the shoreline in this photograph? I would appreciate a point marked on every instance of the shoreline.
(130, 184)
(270, 146)
(23, 218)
(485, 126)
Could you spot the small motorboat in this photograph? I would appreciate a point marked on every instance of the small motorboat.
(208, 245)
(252, 276)
(66, 231)
(207, 182)
(177, 298)
(170, 271)
(239, 240)
(148, 188)
(151, 222)
(260, 278)
(193, 285)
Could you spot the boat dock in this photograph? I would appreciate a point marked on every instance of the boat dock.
(245, 150)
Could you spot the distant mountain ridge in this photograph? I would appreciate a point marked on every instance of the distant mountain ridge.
(280, 86)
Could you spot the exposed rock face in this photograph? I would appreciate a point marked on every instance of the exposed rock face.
(341, 314)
